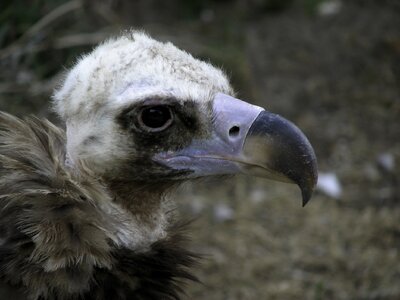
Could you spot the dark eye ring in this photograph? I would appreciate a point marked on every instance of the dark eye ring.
(155, 118)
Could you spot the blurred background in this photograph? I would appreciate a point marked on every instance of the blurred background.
(330, 66)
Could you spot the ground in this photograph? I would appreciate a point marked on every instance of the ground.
(335, 73)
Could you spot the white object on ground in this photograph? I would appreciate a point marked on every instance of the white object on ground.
(386, 161)
(329, 184)
(223, 212)
(328, 8)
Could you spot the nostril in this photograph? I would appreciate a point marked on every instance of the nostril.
(234, 131)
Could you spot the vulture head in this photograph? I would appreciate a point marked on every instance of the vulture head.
(141, 111)
(83, 211)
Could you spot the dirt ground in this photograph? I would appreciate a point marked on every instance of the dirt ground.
(332, 67)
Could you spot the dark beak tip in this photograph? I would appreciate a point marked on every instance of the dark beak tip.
(307, 188)
(306, 195)
(281, 146)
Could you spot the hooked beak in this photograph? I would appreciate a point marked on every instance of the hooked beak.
(250, 140)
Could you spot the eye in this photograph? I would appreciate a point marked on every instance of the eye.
(155, 118)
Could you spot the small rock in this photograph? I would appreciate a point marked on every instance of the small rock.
(329, 184)
(328, 8)
(257, 196)
(223, 212)
(386, 161)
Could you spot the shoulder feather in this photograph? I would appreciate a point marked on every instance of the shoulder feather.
(49, 217)
(56, 235)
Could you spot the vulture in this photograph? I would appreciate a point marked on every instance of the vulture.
(84, 211)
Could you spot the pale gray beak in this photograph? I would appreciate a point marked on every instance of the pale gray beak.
(248, 139)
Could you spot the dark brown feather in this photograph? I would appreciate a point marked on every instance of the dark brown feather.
(55, 237)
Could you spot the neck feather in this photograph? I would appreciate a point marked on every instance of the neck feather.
(144, 211)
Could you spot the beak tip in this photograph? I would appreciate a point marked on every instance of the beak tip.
(306, 197)
(307, 188)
